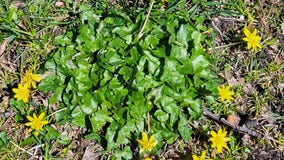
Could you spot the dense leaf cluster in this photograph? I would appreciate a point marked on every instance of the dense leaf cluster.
(109, 79)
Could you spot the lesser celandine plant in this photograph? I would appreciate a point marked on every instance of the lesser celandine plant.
(219, 140)
(31, 78)
(36, 123)
(27, 82)
(225, 93)
(109, 76)
(22, 92)
(146, 144)
(252, 39)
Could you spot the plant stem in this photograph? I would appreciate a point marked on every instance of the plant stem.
(22, 149)
(62, 109)
(149, 127)
(145, 22)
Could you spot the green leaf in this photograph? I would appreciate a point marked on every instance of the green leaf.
(126, 72)
(79, 120)
(93, 136)
(51, 133)
(195, 110)
(183, 128)
(117, 43)
(196, 36)
(159, 52)
(125, 154)
(199, 63)
(153, 63)
(171, 75)
(91, 46)
(64, 139)
(161, 115)
(171, 108)
(63, 39)
(185, 69)
(110, 135)
(89, 105)
(179, 52)
(28, 141)
(57, 95)
(168, 135)
(48, 83)
(124, 33)
(3, 139)
(100, 118)
(123, 135)
(88, 14)
(182, 36)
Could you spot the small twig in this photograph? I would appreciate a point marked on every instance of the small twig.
(217, 29)
(232, 19)
(228, 45)
(22, 149)
(36, 148)
(145, 22)
(242, 129)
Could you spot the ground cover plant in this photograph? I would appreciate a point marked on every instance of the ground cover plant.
(141, 80)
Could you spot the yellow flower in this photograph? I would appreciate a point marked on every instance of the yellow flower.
(22, 92)
(252, 39)
(202, 157)
(145, 143)
(30, 78)
(219, 140)
(36, 123)
(147, 158)
(225, 93)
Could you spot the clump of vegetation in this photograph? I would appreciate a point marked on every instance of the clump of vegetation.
(132, 82)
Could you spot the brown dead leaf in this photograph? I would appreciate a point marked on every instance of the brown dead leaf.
(251, 26)
(18, 4)
(93, 152)
(249, 89)
(59, 4)
(246, 140)
(233, 119)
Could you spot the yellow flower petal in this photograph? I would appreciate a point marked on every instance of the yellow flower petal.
(213, 133)
(28, 124)
(246, 32)
(41, 116)
(36, 77)
(225, 93)
(195, 157)
(245, 39)
(29, 78)
(44, 122)
(203, 154)
(252, 39)
(144, 137)
(36, 123)
(22, 92)
(30, 130)
(145, 143)
(219, 140)
(202, 157)
(34, 116)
